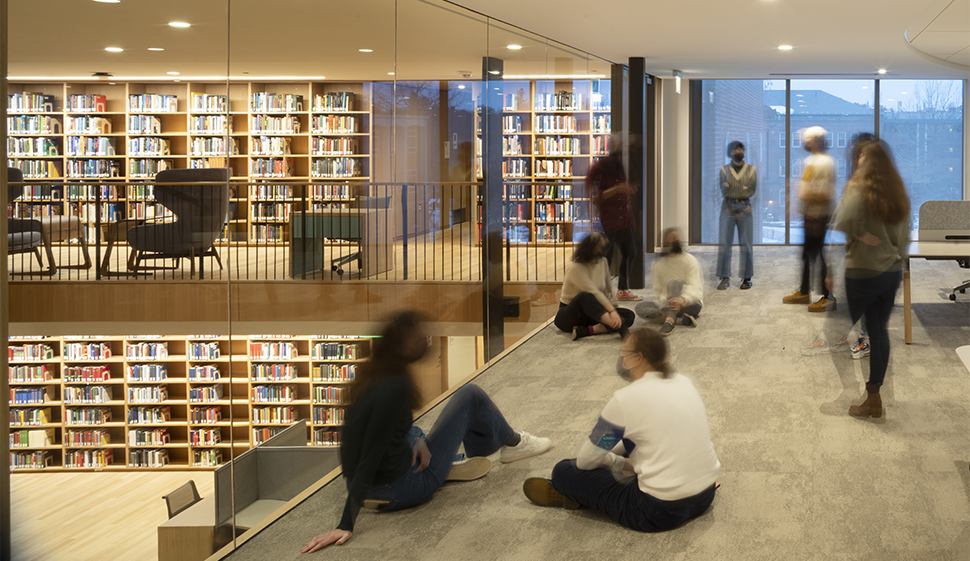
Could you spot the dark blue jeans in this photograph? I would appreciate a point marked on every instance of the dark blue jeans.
(626, 504)
(874, 297)
(469, 418)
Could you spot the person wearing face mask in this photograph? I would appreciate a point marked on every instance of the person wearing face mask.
(388, 464)
(648, 463)
(738, 182)
(677, 285)
(586, 304)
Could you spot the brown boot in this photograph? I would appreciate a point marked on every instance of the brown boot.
(872, 406)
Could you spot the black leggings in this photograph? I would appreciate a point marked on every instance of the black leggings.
(626, 241)
(814, 248)
(586, 310)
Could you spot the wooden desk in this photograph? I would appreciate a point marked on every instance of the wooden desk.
(372, 227)
(190, 534)
(927, 250)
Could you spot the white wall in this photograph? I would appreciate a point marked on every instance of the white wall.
(674, 156)
(461, 358)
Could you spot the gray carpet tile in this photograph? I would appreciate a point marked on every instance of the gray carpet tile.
(801, 479)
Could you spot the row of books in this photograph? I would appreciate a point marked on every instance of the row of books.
(205, 437)
(29, 460)
(270, 146)
(148, 458)
(28, 396)
(205, 394)
(554, 191)
(512, 146)
(33, 124)
(273, 351)
(334, 101)
(335, 167)
(553, 168)
(518, 167)
(335, 372)
(86, 373)
(328, 415)
(555, 212)
(89, 146)
(149, 415)
(87, 394)
(30, 352)
(145, 211)
(268, 233)
(89, 416)
(21, 374)
(333, 124)
(91, 192)
(146, 372)
(147, 394)
(266, 192)
(155, 437)
(271, 211)
(326, 437)
(559, 101)
(335, 395)
(208, 103)
(85, 169)
(555, 146)
(147, 168)
(88, 124)
(515, 211)
(551, 233)
(210, 124)
(213, 146)
(86, 103)
(342, 192)
(264, 101)
(556, 124)
(89, 458)
(33, 210)
(36, 438)
(88, 212)
(206, 373)
(601, 145)
(35, 169)
(30, 102)
(204, 351)
(271, 167)
(206, 458)
(600, 124)
(142, 124)
(261, 435)
(273, 372)
(88, 437)
(148, 146)
(146, 351)
(280, 125)
(87, 351)
(275, 415)
(33, 147)
(153, 103)
(272, 394)
(205, 415)
(326, 146)
(334, 351)
(511, 124)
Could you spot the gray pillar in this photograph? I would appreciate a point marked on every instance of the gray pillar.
(493, 303)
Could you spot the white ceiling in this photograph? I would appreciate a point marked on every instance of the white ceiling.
(435, 40)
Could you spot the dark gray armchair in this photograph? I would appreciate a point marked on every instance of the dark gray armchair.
(200, 216)
(24, 235)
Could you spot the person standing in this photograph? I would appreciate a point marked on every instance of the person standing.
(874, 215)
(738, 182)
(816, 193)
(648, 463)
(607, 185)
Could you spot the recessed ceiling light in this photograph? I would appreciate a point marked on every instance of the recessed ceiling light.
(494, 72)
(114, 49)
(155, 49)
(366, 50)
(108, 1)
(882, 70)
(390, 73)
(904, 93)
(172, 73)
(865, 87)
(784, 47)
(461, 86)
(514, 47)
(179, 24)
(798, 95)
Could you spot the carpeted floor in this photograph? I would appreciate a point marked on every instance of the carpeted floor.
(801, 479)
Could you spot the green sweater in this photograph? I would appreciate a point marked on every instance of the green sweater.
(863, 260)
(738, 184)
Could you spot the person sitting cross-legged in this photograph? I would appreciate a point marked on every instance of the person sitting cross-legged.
(677, 285)
(648, 463)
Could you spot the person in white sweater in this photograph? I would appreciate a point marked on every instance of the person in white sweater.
(648, 463)
(677, 286)
(586, 306)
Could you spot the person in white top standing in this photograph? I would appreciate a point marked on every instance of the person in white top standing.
(816, 195)
(649, 463)
(677, 285)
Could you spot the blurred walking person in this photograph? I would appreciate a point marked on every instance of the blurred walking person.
(874, 214)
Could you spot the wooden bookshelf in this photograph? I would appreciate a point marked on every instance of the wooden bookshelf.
(266, 133)
(552, 133)
(163, 403)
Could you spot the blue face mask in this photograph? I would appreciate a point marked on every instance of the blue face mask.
(621, 370)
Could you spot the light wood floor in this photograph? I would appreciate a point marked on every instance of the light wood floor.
(104, 516)
(448, 255)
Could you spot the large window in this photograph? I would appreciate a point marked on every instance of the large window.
(921, 121)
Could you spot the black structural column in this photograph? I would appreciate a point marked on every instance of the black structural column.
(650, 167)
(637, 128)
(493, 303)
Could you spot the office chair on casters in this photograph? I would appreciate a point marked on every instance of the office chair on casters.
(200, 215)
(964, 264)
(182, 498)
(353, 231)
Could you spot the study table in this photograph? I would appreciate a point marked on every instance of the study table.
(341, 232)
(931, 250)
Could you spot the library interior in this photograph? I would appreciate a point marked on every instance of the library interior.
(213, 206)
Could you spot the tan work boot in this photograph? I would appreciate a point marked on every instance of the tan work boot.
(823, 305)
(797, 298)
(872, 406)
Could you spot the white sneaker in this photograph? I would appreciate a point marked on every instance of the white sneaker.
(527, 447)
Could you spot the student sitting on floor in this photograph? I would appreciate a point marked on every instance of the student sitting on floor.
(586, 306)
(389, 464)
(648, 463)
(677, 285)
